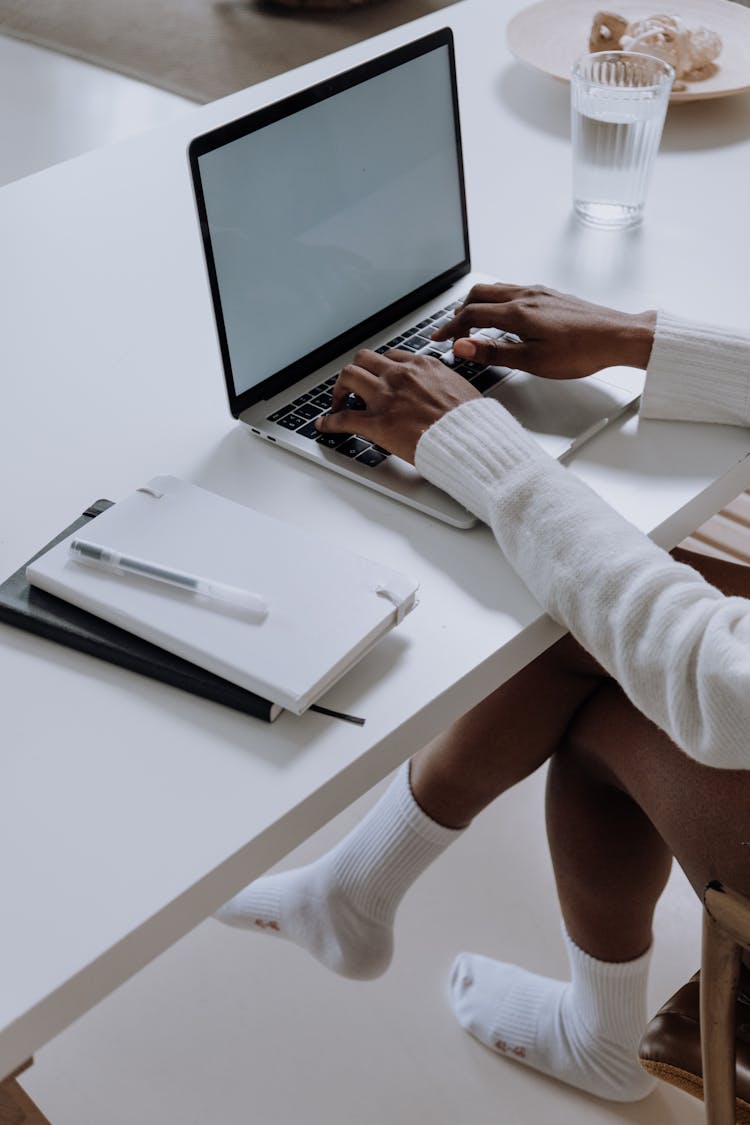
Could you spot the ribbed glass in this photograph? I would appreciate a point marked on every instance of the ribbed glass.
(618, 103)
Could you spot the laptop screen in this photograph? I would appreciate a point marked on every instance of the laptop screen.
(328, 209)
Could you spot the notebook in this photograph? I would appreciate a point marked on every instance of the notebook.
(336, 219)
(326, 606)
(36, 611)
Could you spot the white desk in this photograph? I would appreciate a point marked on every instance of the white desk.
(130, 810)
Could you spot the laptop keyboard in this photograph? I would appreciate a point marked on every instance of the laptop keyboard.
(300, 414)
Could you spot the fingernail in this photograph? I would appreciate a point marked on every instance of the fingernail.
(465, 348)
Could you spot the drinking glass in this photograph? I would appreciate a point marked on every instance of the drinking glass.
(618, 103)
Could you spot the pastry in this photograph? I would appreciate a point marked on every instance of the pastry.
(692, 53)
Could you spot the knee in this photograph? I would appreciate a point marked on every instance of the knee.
(604, 731)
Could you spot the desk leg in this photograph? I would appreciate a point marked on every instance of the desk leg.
(16, 1107)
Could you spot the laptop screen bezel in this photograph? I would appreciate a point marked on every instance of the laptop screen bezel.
(234, 130)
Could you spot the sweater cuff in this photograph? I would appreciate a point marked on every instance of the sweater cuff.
(697, 373)
(470, 447)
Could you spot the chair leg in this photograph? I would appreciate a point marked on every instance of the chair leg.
(720, 973)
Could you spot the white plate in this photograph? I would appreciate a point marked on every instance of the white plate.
(552, 34)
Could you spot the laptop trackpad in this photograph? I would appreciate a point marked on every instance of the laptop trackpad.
(557, 411)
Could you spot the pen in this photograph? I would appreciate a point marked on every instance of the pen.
(115, 563)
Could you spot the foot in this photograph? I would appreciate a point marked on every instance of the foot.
(341, 908)
(308, 907)
(552, 1026)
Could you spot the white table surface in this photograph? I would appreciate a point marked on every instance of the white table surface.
(131, 810)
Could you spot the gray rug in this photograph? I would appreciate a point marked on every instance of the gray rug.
(201, 49)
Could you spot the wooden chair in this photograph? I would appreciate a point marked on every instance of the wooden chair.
(726, 932)
(701, 1037)
(727, 534)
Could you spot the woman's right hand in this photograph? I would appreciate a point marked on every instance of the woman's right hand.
(559, 336)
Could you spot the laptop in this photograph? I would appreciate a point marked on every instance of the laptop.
(336, 219)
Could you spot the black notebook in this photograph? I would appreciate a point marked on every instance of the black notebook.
(39, 612)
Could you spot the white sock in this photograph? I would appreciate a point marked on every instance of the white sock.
(585, 1032)
(341, 908)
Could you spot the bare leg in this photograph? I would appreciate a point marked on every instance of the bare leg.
(611, 866)
(505, 737)
(341, 908)
(620, 807)
(623, 799)
(610, 863)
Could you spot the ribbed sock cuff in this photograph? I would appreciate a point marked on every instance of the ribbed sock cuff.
(610, 996)
(377, 863)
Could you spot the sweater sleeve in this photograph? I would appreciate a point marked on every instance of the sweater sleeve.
(698, 373)
(678, 647)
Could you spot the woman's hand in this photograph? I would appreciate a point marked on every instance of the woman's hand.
(560, 336)
(403, 394)
(397, 396)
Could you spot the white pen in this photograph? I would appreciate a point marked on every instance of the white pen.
(115, 563)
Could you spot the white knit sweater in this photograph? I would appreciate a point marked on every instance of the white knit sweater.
(678, 647)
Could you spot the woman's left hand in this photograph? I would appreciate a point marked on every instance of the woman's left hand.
(403, 394)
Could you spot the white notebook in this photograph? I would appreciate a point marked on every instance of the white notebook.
(326, 605)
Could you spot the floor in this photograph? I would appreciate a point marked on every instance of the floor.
(228, 1027)
(53, 107)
